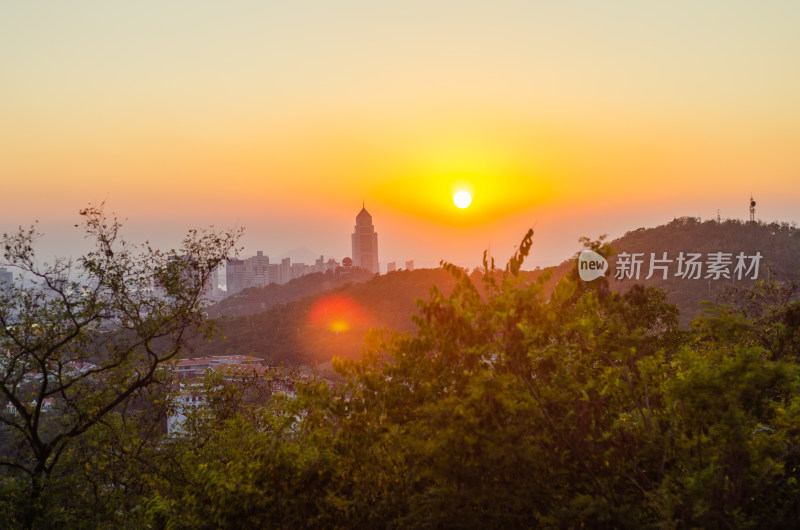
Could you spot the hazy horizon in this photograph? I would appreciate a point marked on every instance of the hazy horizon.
(576, 119)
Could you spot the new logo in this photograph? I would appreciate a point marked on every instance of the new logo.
(591, 265)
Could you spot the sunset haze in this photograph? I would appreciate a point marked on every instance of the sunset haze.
(574, 118)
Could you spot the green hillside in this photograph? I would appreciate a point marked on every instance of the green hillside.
(259, 299)
(286, 333)
(778, 244)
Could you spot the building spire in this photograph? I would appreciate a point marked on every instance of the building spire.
(365, 242)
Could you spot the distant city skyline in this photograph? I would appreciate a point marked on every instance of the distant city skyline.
(257, 271)
(550, 247)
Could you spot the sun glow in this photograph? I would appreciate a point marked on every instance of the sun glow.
(462, 199)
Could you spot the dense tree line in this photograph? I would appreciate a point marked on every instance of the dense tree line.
(509, 405)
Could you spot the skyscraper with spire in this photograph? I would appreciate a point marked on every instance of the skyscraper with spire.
(365, 242)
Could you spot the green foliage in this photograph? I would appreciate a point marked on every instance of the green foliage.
(511, 404)
(81, 341)
(771, 310)
(511, 408)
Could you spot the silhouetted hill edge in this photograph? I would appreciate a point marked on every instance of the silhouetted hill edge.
(277, 322)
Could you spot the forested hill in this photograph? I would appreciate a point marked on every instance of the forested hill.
(291, 332)
(259, 299)
(314, 328)
(778, 245)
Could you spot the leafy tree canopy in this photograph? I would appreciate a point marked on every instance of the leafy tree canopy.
(511, 404)
(80, 339)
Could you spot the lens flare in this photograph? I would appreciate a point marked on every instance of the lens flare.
(337, 313)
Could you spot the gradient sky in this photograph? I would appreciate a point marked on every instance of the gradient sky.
(575, 117)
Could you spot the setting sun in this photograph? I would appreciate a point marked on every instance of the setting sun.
(462, 199)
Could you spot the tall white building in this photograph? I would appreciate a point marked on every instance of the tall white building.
(286, 270)
(274, 273)
(365, 242)
(212, 290)
(257, 270)
(235, 275)
(299, 270)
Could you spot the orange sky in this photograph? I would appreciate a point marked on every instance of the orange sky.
(578, 118)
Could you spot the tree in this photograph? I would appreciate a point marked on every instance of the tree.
(511, 407)
(773, 309)
(80, 338)
(502, 409)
